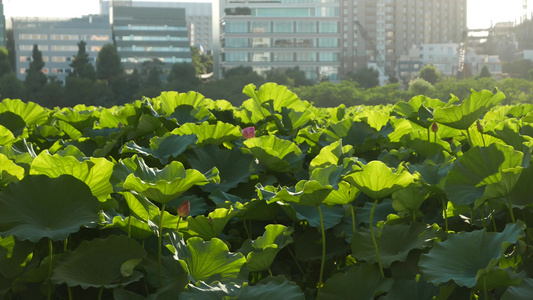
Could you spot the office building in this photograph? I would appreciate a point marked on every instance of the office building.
(268, 35)
(142, 34)
(57, 39)
(3, 39)
(197, 14)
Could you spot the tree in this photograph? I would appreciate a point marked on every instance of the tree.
(420, 86)
(366, 77)
(298, 76)
(484, 73)
(5, 65)
(430, 74)
(182, 78)
(11, 87)
(201, 62)
(81, 65)
(517, 68)
(35, 79)
(108, 63)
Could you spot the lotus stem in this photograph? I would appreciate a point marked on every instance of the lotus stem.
(374, 238)
(469, 137)
(100, 293)
(353, 219)
(178, 226)
(65, 248)
(320, 283)
(129, 226)
(270, 272)
(160, 240)
(51, 251)
(493, 221)
(246, 229)
(511, 209)
(445, 214)
(485, 291)
(429, 140)
(295, 260)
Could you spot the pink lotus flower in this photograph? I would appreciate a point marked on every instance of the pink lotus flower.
(479, 127)
(184, 209)
(248, 132)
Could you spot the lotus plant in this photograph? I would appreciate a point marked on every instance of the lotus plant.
(248, 133)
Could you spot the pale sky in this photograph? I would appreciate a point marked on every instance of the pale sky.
(480, 12)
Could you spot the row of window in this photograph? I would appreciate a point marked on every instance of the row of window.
(281, 56)
(280, 42)
(58, 48)
(152, 38)
(48, 70)
(54, 59)
(150, 28)
(281, 27)
(153, 49)
(162, 59)
(64, 37)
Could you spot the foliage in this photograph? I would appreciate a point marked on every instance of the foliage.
(484, 73)
(81, 66)
(420, 86)
(372, 202)
(35, 78)
(366, 77)
(430, 74)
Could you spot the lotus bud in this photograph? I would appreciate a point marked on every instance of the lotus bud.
(248, 132)
(184, 209)
(434, 127)
(210, 221)
(479, 127)
(120, 124)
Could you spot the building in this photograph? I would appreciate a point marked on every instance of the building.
(443, 56)
(142, 34)
(268, 35)
(383, 30)
(57, 39)
(3, 35)
(198, 17)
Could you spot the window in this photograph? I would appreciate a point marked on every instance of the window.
(236, 26)
(236, 56)
(283, 42)
(328, 42)
(328, 56)
(65, 37)
(305, 56)
(260, 27)
(282, 26)
(328, 27)
(32, 36)
(305, 43)
(283, 56)
(305, 27)
(30, 48)
(236, 42)
(64, 48)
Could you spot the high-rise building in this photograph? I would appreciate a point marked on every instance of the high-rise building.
(197, 14)
(383, 30)
(2, 26)
(278, 34)
(57, 39)
(143, 34)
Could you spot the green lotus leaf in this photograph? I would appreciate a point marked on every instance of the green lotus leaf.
(167, 102)
(99, 262)
(417, 110)
(208, 261)
(126, 115)
(522, 190)
(418, 141)
(477, 168)
(277, 287)
(362, 281)
(394, 243)
(433, 173)
(306, 193)
(173, 276)
(521, 292)
(79, 120)
(14, 123)
(381, 212)
(351, 132)
(122, 294)
(30, 112)
(411, 290)
(278, 155)
(378, 181)
(213, 291)
(211, 226)
(148, 125)
(162, 148)
(465, 256)
(32, 208)
(70, 130)
(9, 171)
(344, 194)
(95, 172)
(14, 256)
(164, 185)
(293, 120)
(409, 199)
(6, 136)
(261, 252)
(136, 228)
(463, 115)
(217, 134)
(329, 155)
(235, 166)
(190, 114)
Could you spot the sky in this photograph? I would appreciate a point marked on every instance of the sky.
(481, 13)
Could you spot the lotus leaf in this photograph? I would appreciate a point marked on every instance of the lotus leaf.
(32, 208)
(261, 252)
(465, 256)
(162, 148)
(217, 134)
(98, 263)
(394, 243)
(278, 155)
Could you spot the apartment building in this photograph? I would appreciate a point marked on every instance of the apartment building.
(198, 17)
(57, 39)
(278, 34)
(142, 34)
(382, 31)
